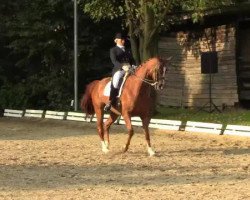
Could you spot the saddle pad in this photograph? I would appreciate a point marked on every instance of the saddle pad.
(107, 88)
(106, 91)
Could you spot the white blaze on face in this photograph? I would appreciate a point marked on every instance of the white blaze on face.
(160, 85)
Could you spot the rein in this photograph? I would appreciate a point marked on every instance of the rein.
(145, 80)
(150, 82)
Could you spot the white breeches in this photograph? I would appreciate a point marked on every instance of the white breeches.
(116, 78)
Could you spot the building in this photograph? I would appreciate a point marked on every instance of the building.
(226, 36)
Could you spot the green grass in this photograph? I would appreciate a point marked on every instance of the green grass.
(229, 116)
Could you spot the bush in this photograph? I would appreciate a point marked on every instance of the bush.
(43, 91)
(13, 96)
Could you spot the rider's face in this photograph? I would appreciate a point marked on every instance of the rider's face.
(120, 42)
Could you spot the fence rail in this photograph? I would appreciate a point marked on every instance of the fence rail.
(162, 124)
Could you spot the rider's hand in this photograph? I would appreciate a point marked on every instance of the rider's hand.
(126, 68)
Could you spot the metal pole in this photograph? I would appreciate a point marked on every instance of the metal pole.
(75, 57)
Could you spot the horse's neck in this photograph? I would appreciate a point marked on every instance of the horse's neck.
(142, 72)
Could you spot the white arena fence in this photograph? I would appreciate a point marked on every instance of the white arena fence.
(161, 124)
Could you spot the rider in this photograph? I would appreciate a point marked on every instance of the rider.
(122, 59)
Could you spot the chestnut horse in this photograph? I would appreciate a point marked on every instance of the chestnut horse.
(137, 99)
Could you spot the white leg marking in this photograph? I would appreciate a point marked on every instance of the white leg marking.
(107, 144)
(151, 152)
(104, 147)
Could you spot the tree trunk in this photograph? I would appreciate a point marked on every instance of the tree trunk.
(145, 44)
(150, 42)
(134, 44)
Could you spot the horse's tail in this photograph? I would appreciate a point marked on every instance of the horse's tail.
(86, 101)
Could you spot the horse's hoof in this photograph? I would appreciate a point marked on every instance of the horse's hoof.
(107, 144)
(124, 149)
(105, 150)
(151, 152)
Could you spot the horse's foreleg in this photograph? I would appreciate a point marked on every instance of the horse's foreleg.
(107, 125)
(99, 116)
(129, 126)
(145, 124)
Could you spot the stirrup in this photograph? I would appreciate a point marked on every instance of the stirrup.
(118, 103)
(107, 107)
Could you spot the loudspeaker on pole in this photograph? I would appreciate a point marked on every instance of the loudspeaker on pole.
(209, 62)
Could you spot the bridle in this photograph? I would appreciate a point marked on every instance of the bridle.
(155, 75)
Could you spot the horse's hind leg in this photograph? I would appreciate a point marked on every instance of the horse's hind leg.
(107, 125)
(99, 116)
(145, 124)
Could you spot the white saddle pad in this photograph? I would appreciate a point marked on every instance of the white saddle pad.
(107, 88)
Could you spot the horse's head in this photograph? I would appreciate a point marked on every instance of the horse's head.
(159, 72)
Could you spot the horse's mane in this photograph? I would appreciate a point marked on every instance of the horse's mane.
(146, 62)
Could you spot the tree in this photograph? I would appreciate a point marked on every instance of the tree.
(36, 53)
(145, 19)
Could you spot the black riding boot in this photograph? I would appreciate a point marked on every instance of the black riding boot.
(112, 98)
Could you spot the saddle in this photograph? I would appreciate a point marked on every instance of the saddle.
(115, 93)
(107, 88)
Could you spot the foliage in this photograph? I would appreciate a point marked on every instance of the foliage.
(36, 53)
(145, 19)
(13, 97)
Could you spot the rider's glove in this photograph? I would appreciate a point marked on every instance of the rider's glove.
(126, 68)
